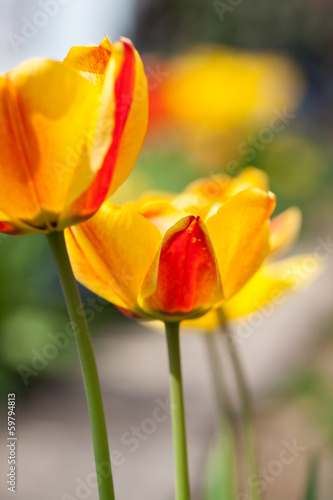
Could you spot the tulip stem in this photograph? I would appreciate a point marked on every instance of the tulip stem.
(223, 403)
(227, 419)
(247, 415)
(88, 365)
(177, 412)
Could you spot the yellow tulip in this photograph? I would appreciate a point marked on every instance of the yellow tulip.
(70, 134)
(211, 97)
(273, 279)
(204, 197)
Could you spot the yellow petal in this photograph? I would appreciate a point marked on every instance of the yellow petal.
(249, 177)
(48, 115)
(272, 284)
(91, 61)
(111, 253)
(239, 234)
(10, 225)
(208, 322)
(159, 208)
(204, 196)
(284, 230)
(207, 192)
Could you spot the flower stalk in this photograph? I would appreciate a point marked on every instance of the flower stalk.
(88, 365)
(247, 412)
(177, 412)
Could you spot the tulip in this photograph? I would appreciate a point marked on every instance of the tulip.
(70, 134)
(175, 274)
(204, 197)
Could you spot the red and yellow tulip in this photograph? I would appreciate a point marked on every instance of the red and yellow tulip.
(154, 259)
(204, 198)
(70, 134)
(274, 278)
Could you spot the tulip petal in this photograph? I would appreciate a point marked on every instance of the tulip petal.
(153, 204)
(284, 230)
(213, 188)
(208, 322)
(271, 284)
(158, 208)
(135, 126)
(127, 109)
(249, 177)
(239, 233)
(204, 196)
(183, 280)
(91, 61)
(47, 118)
(10, 225)
(111, 253)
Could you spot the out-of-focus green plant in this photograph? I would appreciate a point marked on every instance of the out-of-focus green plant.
(311, 491)
(220, 481)
(313, 392)
(24, 327)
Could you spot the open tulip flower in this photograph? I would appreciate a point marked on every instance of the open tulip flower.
(275, 277)
(205, 197)
(70, 134)
(156, 259)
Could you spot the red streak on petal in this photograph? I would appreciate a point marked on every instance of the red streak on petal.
(92, 199)
(128, 313)
(5, 227)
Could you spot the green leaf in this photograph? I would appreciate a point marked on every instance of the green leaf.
(220, 477)
(311, 492)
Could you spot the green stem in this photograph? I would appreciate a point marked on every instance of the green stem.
(177, 412)
(222, 397)
(247, 414)
(88, 365)
(227, 419)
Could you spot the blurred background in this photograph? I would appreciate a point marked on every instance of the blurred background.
(232, 83)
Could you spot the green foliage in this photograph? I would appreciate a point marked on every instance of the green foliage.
(220, 477)
(161, 170)
(311, 492)
(314, 392)
(30, 305)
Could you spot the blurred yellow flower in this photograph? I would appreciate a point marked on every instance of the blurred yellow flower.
(210, 97)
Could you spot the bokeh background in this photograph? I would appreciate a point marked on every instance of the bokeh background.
(218, 73)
